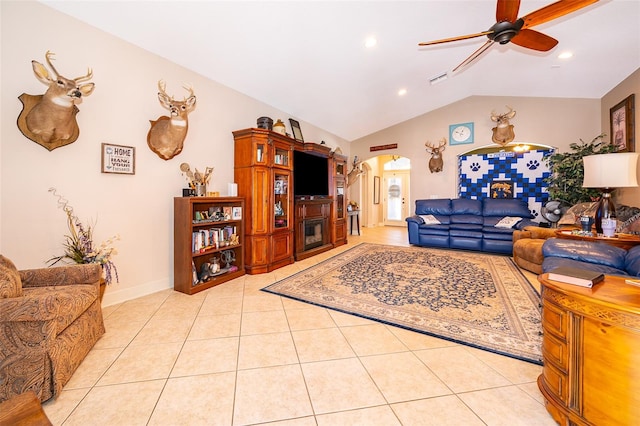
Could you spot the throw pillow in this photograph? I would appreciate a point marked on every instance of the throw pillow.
(429, 219)
(572, 216)
(10, 284)
(508, 222)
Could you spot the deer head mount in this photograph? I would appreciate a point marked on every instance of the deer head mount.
(435, 163)
(50, 119)
(167, 134)
(503, 132)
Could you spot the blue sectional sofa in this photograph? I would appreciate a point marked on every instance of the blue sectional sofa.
(463, 223)
(590, 255)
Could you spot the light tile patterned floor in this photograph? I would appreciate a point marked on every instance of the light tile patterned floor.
(234, 355)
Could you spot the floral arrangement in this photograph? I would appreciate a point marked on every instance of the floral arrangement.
(79, 244)
(196, 177)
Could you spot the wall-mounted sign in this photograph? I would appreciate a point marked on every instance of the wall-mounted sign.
(118, 159)
(501, 154)
(383, 147)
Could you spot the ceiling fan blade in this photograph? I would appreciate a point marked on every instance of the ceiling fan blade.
(446, 40)
(535, 40)
(474, 55)
(507, 10)
(553, 11)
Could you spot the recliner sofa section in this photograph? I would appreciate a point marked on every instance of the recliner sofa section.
(468, 224)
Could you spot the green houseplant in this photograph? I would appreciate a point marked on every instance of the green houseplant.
(567, 171)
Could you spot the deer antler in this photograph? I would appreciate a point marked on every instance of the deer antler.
(86, 77)
(162, 86)
(49, 56)
(190, 89)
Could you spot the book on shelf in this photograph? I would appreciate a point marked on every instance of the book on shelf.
(576, 276)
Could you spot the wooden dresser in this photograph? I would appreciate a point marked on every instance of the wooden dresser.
(591, 352)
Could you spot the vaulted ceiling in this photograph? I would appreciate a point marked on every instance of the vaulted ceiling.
(308, 58)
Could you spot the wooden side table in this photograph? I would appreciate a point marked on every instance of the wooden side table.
(351, 214)
(591, 352)
(624, 241)
(23, 410)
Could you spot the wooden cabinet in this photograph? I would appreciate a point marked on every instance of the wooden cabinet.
(207, 231)
(263, 172)
(591, 352)
(339, 211)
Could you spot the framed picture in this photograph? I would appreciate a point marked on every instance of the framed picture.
(295, 127)
(376, 190)
(236, 213)
(118, 159)
(622, 125)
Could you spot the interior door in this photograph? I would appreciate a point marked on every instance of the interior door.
(395, 187)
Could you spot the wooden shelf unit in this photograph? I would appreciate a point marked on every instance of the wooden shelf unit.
(184, 226)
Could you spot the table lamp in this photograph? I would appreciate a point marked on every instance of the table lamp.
(608, 172)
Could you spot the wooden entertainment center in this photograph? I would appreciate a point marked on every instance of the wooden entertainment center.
(283, 222)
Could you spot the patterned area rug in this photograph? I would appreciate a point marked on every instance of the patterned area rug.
(476, 299)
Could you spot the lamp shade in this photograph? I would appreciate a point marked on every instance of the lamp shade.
(617, 170)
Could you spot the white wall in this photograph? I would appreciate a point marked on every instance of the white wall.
(547, 121)
(139, 207)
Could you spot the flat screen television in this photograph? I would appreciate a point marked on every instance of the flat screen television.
(310, 175)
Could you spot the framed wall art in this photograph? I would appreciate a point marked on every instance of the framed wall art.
(295, 128)
(622, 125)
(376, 190)
(118, 159)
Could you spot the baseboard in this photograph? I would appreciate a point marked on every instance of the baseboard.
(113, 297)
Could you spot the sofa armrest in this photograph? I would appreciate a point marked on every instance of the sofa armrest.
(585, 251)
(415, 219)
(89, 273)
(29, 308)
(540, 233)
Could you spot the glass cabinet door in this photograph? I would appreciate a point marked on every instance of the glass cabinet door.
(281, 199)
(261, 153)
(281, 157)
(339, 199)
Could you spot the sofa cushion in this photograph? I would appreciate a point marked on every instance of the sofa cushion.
(466, 206)
(466, 226)
(466, 218)
(632, 261)
(10, 284)
(439, 206)
(585, 251)
(505, 207)
(73, 301)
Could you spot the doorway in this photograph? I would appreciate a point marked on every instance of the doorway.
(395, 191)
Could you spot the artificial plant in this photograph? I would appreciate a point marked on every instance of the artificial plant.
(567, 171)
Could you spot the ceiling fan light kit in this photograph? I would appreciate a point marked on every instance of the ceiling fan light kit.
(510, 28)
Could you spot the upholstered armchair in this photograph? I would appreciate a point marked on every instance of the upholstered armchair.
(49, 320)
(527, 247)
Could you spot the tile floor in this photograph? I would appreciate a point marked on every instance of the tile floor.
(233, 355)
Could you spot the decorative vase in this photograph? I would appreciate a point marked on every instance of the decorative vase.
(279, 127)
(201, 189)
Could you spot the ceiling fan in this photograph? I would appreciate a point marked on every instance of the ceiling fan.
(509, 28)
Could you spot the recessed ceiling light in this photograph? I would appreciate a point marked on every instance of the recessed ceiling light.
(370, 42)
(565, 55)
(402, 92)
